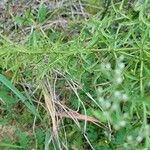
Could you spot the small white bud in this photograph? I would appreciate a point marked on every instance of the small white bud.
(121, 66)
(125, 145)
(124, 97)
(101, 99)
(139, 139)
(107, 104)
(100, 90)
(106, 114)
(121, 58)
(129, 138)
(117, 127)
(122, 123)
(125, 115)
(119, 80)
(118, 71)
(108, 66)
(117, 94)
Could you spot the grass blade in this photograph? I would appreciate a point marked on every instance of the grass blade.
(9, 85)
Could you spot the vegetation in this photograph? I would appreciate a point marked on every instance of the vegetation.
(75, 75)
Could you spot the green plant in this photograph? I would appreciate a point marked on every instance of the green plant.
(86, 91)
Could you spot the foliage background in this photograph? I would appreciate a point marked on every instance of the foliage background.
(91, 57)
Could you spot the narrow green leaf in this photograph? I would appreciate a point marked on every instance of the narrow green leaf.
(41, 14)
(9, 85)
(9, 145)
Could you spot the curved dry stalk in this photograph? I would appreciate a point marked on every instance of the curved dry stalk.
(50, 105)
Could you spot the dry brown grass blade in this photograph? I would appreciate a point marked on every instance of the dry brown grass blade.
(50, 107)
(48, 94)
(72, 114)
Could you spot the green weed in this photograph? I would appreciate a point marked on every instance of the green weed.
(86, 86)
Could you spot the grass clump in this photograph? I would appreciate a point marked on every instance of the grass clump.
(80, 85)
